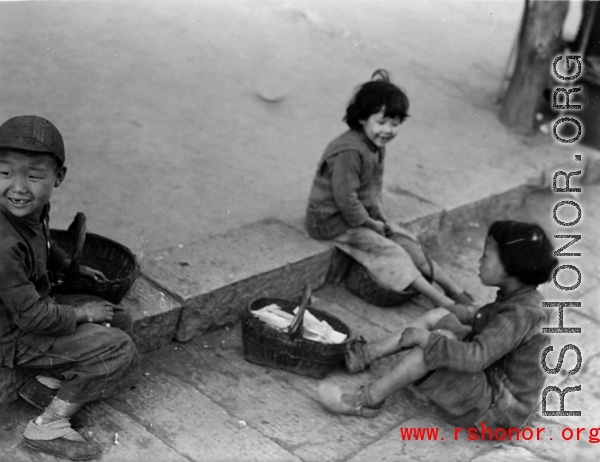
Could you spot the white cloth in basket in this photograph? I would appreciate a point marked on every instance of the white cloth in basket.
(313, 328)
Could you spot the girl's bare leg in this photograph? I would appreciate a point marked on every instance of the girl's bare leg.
(438, 298)
(367, 400)
(410, 368)
(389, 345)
(441, 277)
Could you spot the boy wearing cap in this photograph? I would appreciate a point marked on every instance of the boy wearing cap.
(66, 336)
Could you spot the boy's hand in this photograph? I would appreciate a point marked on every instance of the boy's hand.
(95, 312)
(92, 273)
(414, 336)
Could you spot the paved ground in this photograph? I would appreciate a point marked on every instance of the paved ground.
(171, 138)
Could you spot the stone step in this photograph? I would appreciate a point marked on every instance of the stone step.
(207, 283)
(217, 276)
(122, 438)
(155, 314)
(281, 405)
(195, 426)
(432, 223)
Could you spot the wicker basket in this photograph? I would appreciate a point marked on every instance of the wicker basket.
(289, 351)
(116, 261)
(360, 283)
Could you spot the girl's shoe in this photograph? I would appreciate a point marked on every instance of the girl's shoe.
(348, 400)
(356, 355)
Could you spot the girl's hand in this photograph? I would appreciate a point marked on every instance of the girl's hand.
(446, 333)
(393, 228)
(95, 312)
(376, 225)
(414, 336)
(92, 273)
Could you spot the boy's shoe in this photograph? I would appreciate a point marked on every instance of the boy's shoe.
(37, 394)
(40, 396)
(59, 439)
(348, 400)
(356, 356)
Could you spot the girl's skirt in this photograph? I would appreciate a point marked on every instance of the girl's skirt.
(387, 261)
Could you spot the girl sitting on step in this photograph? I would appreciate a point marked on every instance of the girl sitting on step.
(344, 205)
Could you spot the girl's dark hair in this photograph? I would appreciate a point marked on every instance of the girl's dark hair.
(525, 251)
(372, 96)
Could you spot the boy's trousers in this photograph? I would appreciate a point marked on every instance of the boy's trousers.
(94, 361)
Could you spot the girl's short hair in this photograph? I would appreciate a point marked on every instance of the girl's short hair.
(525, 251)
(372, 96)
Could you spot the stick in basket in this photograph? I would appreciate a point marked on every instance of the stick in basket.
(79, 228)
(295, 328)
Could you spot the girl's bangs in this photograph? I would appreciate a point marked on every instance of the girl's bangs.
(396, 106)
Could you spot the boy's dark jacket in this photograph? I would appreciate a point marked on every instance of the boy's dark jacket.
(27, 311)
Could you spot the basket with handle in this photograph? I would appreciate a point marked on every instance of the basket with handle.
(288, 349)
(360, 283)
(117, 262)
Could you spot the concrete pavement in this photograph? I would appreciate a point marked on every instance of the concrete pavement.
(219, 221)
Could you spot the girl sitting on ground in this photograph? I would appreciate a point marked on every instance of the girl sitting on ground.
(345, 200)
(489, 372)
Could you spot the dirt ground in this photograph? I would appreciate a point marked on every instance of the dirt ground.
(183, 119)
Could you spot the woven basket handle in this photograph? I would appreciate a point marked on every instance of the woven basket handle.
(295, 328)
(79, 229)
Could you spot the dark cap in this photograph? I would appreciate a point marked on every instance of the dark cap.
(34, 134)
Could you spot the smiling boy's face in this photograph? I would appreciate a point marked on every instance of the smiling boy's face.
(27, 181)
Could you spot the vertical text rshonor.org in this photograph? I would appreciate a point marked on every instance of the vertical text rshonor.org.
(563, 178)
